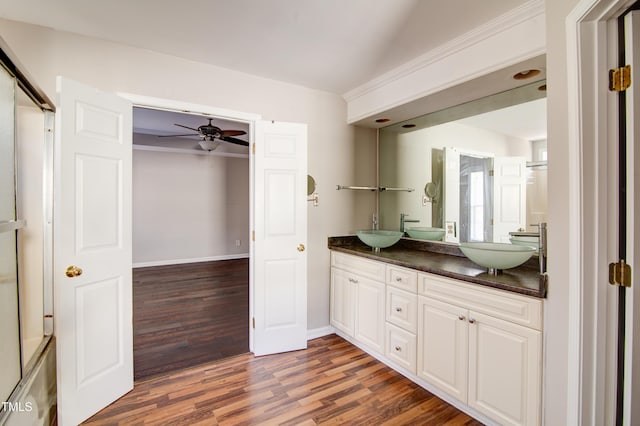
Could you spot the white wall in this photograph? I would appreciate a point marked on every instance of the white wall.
(189, 207)
(117, 68)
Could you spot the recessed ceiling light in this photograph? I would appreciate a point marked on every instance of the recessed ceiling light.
(543, 88)
(382, 120)
(523, 75)
(408, 126)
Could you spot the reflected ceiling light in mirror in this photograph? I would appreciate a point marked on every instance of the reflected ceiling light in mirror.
(382, 120)
(526, 74)
(543, 88)
(408, 126)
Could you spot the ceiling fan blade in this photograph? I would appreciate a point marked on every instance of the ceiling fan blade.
(186, 127)
(234, 140)
(232, 132)
(175, 136)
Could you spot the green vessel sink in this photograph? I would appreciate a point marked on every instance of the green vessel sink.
(425, 233)
(497, 256)
(525, 240)
(378, 238)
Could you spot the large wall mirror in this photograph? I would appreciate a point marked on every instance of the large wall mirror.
(476, 170)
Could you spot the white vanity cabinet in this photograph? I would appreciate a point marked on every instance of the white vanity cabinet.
(481, 346)
(402, 317)
(477, 347)
(357, 299)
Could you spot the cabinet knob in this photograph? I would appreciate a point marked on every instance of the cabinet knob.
(398, 348)
(472, 321)
(461, 317)
(398, 279)
(398, 309)
(351, 280)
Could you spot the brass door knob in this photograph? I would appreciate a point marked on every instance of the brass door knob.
(73, 271)
(300, 247)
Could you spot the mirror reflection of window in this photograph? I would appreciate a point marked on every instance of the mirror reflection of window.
(476, 209)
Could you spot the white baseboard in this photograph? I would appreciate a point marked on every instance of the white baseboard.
(320, 332)
(192, 260)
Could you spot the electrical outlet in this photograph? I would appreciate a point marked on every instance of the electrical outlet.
(238, 243)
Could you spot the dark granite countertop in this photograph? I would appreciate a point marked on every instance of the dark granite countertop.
(447, 260)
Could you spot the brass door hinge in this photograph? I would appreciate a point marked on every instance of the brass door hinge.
(253, 148)
(253, 322)
(620, 274)
(253, 235)
(620, 79)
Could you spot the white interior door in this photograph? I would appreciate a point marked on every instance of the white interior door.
(509, 196)
(631, 410)
(280, 232)
(451, 185)
(92, 232)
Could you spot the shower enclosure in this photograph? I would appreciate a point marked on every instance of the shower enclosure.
(25, 251)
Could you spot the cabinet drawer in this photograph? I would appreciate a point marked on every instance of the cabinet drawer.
(505, 305)
(401, 347)
(406, 279)
(402, 309)
(364, 267)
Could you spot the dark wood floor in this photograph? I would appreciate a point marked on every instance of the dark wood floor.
(185, 315)
(331, 383)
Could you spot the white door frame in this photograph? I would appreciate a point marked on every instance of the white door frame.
(591, 31)
(250, 119)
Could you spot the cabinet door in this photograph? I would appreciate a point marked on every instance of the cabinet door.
(504, 370)
(370, 313)
(342, 310)
(443, 346)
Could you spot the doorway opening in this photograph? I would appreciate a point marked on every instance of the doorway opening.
(191, 216)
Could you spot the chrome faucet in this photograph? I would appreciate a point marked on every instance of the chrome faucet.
(374, 222)
(404, 220)
(542, 245)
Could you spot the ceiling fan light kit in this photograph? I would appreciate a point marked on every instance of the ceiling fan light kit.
(208, 144)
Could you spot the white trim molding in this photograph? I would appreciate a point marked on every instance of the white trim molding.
(170, 150)
(591, 42)
(188, 107)
(191, 260)
(506, 40)
(320, 332)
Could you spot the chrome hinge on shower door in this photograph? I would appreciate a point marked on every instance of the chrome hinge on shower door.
(620, 274)
(620, 79)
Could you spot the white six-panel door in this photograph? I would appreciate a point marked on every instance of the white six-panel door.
(509, 197)
(92, 238)
(280, 232)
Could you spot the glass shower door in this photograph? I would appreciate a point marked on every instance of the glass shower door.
(10, 364)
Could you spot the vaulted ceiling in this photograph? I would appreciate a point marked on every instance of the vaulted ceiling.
(331, 45)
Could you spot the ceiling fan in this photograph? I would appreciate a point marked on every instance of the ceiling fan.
(212, 135)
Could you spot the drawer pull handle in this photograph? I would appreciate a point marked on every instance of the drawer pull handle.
(351, 280)
(461, 317)
(398, 348)
(472, 321)
(398, 279)
(398, 309)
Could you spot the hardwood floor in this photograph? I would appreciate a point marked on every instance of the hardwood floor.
(185, 315)
(330, 383)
